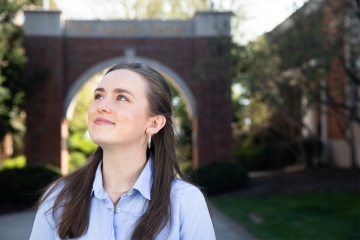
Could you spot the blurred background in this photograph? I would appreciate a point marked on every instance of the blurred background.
(266, 108)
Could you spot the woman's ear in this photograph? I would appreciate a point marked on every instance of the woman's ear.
(156, 124)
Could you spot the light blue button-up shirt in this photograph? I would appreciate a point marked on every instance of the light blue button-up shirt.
(190, 217)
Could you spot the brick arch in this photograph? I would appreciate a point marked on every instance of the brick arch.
(63, 55)
(170, 75)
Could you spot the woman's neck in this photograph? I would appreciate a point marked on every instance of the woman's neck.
(120, 170)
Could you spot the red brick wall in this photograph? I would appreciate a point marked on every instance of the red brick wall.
(336, 85)
(336, 76)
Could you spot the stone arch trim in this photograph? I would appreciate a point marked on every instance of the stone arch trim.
(171, 75)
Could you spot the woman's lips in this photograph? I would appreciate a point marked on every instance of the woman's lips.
(103, 121)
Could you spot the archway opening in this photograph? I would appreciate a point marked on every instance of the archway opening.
(78, 141)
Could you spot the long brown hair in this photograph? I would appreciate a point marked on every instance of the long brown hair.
(74, 220)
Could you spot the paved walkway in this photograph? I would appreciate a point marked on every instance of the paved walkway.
(227, 229)
(17, 226)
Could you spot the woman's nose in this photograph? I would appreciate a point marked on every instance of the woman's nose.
(104, 106)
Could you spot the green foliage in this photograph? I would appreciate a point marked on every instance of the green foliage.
(84, 98)
(183, 126)
(76, 159)
(296, 216)
(17, 162)
(219, 177)
(276, 155)
(12, 60)
(285, 68)
(23, 185)
(78, 141)
(266, 157)
(249, 64)
(186, 168)
(251, 157)
(256, 68)
(80, 145)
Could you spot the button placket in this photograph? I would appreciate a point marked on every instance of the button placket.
(112, 234)
(109, 206)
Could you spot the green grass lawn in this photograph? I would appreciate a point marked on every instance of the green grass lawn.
(296, 216)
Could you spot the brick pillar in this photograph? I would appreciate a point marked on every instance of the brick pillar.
(213, 87)
(44, 49)
(213, 97)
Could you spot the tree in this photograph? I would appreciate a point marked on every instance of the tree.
(12, 60)
(297, 57)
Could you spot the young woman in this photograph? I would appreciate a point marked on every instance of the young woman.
(131, 187)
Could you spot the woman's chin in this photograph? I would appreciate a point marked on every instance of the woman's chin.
(101, 142)
(105, 143)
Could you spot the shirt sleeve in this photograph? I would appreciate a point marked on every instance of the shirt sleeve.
(42, 228)
(196, 222)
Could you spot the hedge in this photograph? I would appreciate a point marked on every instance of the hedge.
(24, 185)
(219, 177)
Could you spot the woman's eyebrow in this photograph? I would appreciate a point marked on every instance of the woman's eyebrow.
(99, 89)
(121, 90)
(117, 90)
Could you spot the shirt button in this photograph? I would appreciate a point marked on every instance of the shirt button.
(118, 210)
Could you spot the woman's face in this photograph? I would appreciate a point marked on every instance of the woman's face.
(119, 115)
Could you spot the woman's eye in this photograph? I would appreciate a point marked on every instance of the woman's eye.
(121, 98)
(98, 96)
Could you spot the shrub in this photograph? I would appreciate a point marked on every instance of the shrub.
(265, 157)
(219, 177)
(313, 148)
(286, 155)
(251, 157)
(23, 185)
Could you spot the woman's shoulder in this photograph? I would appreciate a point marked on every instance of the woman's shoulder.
(190, 211)
(184, 191)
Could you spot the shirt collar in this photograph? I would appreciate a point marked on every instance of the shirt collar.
(98, 189)
(143, 184)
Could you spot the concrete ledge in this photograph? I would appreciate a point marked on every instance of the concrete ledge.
(49, 23)
(43, 23)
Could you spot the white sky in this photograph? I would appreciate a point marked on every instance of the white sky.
(262, 15)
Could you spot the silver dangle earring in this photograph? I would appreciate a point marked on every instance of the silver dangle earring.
(149, 141)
